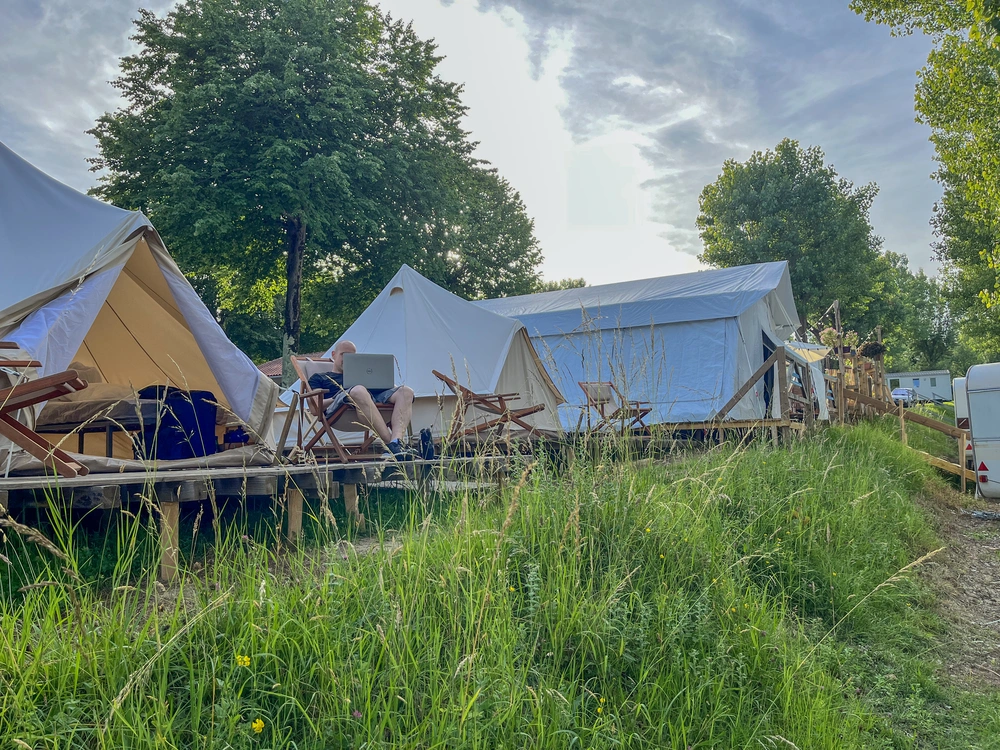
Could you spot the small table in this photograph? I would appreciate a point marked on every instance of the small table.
(138, 415)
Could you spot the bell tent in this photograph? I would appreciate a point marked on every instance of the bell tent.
(89, 284)
(428, 328)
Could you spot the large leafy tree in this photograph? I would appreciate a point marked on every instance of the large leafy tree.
(787, 204)
(286, 148)
(958, 96)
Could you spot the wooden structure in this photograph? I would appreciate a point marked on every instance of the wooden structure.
(166, 491)
(317, 430)
(26, 394)
(496, 404)
(603, 396)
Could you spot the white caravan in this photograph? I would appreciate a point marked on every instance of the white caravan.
(982, 386)
(929, 385)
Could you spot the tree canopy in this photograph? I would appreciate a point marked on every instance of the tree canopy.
(787, 204)
(956, 95)
(294, 153)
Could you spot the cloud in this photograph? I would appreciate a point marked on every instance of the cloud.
(608, 117)
(57, 58)
(706, 80)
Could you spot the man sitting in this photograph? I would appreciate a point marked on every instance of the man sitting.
(401, 398)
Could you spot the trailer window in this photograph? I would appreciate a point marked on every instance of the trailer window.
(916, 382)
(933, 382)
(894, 382)
(984, 407)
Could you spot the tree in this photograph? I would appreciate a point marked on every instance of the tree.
(558, 284)
(957, 96)
(283, 146)
(787, 204)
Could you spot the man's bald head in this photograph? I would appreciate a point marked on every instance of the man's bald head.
(339, 350)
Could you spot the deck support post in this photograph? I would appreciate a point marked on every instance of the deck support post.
(351, 506)
(169, 504)
(293, 506)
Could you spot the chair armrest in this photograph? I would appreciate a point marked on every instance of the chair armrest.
(315, 392)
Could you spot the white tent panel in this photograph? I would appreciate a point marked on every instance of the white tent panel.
(54, 332)
(681, 369)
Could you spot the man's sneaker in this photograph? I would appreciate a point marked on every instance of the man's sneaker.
(397, 451)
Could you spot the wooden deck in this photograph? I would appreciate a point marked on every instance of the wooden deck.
(167, 490)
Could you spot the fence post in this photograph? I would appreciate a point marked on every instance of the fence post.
(962, 442)
(902, 423)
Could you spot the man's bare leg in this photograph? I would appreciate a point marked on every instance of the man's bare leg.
(369, 413)
(402, 409)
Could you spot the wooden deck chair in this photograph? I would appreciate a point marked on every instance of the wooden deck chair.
(28, 393)
(613, 407)
(497, 404)
(317, 431)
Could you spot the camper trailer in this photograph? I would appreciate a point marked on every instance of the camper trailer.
(962, 416)
(929, 385)
(982, 386)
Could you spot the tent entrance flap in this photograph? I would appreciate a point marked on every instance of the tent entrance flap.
(140, 338)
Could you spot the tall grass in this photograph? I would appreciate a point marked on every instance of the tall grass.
(716, 601)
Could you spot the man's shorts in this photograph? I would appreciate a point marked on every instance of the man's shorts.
(339, 395)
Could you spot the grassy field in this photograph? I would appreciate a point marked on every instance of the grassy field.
(740, 598)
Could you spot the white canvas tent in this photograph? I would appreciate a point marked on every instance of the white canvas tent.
(684, 343)
(428, 328)
(84, 281)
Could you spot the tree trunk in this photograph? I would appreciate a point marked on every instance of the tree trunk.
(296, 232)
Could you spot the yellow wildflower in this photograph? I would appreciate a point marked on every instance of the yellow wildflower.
(511, 588)
(647, 529)
(600, 710)
(242, 661)
(257, 726)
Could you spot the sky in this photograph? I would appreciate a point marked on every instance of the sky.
(608, 117)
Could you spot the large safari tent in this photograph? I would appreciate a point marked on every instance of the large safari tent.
(684, 343)
(87, 284)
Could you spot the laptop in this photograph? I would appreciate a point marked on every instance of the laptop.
(376, 372)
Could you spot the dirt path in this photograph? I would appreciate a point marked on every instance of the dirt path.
(967, 577)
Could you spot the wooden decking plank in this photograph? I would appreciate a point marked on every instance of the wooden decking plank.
(362, 473)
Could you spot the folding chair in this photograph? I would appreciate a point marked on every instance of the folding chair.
(317, 431)
(25, 394)
(491, 403)
(614, 407)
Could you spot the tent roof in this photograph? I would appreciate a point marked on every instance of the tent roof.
(57, 235)
(430, 328)
(702, 295)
